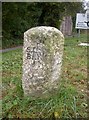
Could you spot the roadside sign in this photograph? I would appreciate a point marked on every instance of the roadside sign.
(82, 21)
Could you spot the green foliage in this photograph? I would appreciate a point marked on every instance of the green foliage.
(8, 43)
(19, 17)
(69, 102)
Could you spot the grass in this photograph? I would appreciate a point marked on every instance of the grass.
(69, 102)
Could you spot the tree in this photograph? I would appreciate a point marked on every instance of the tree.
(18, 17)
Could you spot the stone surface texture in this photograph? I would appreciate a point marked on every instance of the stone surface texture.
(42, 60)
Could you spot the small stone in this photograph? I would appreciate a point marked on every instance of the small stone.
(82, 90)
(82, 81)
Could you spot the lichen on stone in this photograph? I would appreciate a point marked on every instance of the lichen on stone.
(42, 60)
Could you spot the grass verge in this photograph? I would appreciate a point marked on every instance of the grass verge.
(71, 99)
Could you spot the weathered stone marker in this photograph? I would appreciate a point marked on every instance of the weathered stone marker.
(42, 60)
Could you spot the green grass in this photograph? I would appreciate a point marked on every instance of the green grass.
(69, 102)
